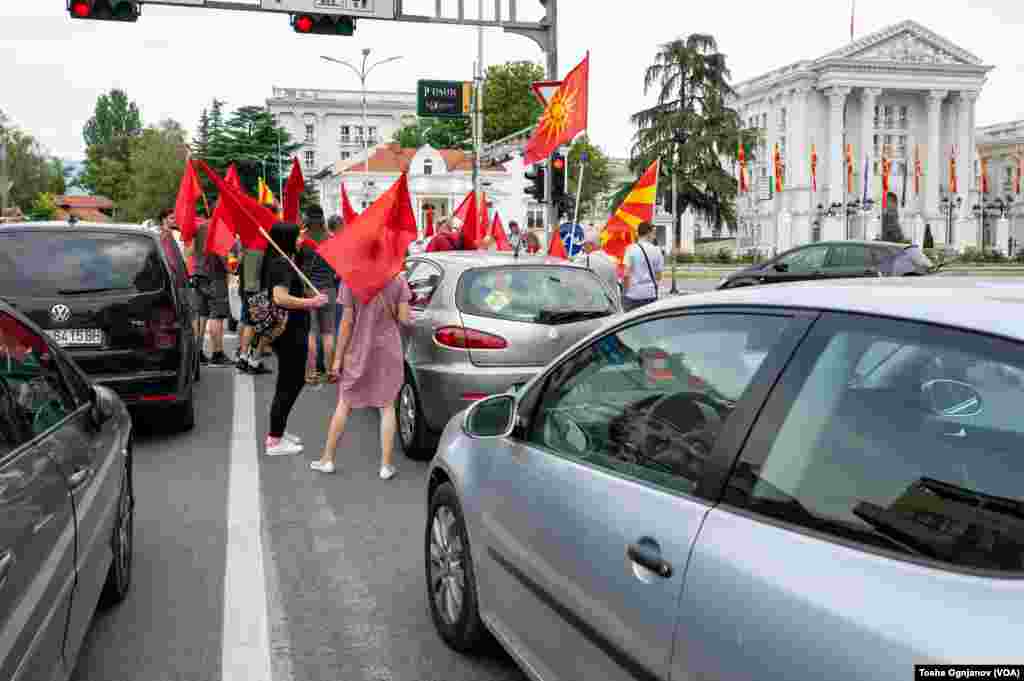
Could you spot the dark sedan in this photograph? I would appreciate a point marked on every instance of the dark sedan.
(65, 502)
(835, 260)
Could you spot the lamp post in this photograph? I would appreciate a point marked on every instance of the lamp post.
(950, 208)
(851, 208)
(819, 215)
(362, 73)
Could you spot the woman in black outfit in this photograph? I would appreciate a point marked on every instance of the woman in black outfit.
(278, 277)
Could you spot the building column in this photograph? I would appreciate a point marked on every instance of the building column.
(800, 225)
(833, 229)
(868, 98)
(933, 165)
(968, 233)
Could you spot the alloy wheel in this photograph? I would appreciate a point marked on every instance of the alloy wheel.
(407, 414)
(447, 573)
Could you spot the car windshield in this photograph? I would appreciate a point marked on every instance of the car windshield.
(533, 294)
(42, 263)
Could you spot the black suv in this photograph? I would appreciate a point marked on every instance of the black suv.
(835, 260)
(116, 297)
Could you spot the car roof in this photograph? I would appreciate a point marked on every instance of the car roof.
(975, 305)
(56, 225)
(469, 259)
(859, 242)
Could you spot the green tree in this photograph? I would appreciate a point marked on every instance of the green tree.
(440, 133)
(929, 240)
(57, 184)
(44, 207)
(596, 178)
(108, 135)
(157, 161)
(29, 167)
(509, 102)
(691, 128)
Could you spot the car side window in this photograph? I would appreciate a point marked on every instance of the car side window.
(849, 256)
(900, 436)
(31, 375)
(649, 401)
(423, 280)
(806, 259)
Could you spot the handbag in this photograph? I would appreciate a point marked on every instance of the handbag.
(268, 319)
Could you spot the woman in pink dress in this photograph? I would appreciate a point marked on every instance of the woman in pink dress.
(369, 366)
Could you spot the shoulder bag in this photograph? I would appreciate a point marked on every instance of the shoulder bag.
(650, 270)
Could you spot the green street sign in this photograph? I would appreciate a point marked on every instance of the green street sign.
(443, 98)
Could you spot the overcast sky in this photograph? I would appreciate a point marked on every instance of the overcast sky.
(174, 60)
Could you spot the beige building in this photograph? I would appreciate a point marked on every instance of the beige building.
(1002, 147)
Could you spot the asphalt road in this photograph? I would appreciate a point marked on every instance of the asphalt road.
(343, 579)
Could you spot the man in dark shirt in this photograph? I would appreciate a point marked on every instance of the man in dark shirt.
(212, 295)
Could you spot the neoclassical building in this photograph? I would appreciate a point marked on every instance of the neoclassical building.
(903, 89)
(1001, 147)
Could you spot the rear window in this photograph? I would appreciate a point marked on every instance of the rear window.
(918, 257)
(61, 263)
(548, 295)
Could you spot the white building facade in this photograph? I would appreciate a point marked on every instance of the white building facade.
(902, 89)
(1001, 146)
(329, 123)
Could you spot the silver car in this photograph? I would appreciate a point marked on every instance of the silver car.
(483, 322)
(791, 482)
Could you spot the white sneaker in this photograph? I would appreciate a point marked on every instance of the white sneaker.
(283, 448)
(322, 467)
(294, 439)
(387, 472)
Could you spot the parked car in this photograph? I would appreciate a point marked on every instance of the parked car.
(731, 486)
(483, 322)
(835, 260)
(66, 502)
(117, 298)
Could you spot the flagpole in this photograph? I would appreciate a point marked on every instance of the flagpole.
(579, 191)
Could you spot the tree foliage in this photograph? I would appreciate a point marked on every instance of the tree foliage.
(44, 207)
(439, 133)
(115, 124)
(509, 102)
(31, 170)
(691, 128)
(158, 160)
(596, 178)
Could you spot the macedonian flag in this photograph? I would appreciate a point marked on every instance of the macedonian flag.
(637, 207)
(564, 117)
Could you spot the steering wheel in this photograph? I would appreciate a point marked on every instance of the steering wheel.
(679, 431)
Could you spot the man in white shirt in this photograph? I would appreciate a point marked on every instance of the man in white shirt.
(599, 262)
(643, 263)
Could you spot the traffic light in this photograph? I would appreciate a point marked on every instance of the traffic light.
(558, 194)
(104, 10)
(536, 187)
(323, 24)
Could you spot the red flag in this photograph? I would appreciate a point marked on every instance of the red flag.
(220, 234)
(466, 213)
(348, 213)
(242, 211)
(498, 232)
(292, 192)
(370, 251)
(556, 248)
(185, 206)
(564, 117)
(429, 230)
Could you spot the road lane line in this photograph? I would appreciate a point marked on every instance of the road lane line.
(246, 632)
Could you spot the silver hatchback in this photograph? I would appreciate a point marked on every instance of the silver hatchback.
(483, 323)
(779, 483)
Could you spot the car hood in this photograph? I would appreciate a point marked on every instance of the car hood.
(746, 271)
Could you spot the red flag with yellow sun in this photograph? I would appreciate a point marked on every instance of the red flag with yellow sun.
(637, 207)
(564, 117)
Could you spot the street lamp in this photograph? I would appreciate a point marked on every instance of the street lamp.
(851, 208)
(362, 73)
(819, 215)
(949, 208)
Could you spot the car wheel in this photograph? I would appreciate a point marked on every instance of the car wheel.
(199, 375)
(119, 577)
(451, 581)
(187, 413)
(411, 428)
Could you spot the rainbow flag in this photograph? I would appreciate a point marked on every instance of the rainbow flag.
(638, 207)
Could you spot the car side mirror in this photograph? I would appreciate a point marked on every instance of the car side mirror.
(943, 397)
(103, 405)
(490, 418)
(780, 267)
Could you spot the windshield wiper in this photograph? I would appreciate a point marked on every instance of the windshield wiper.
(568, 315)
(80, 291)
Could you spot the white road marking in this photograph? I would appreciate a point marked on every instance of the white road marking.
(246, 632)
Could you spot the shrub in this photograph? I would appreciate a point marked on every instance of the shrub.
(929, 241)
(724, 256)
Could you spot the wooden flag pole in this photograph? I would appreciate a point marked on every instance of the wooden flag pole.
(305, 280)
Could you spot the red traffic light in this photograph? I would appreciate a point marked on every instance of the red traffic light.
(80, 8)
(558, 163)
(304, 23)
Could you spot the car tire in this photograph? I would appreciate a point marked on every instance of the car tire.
(412, 431)
(119, 577)
(187, 413)
(449, 570)
(199, 372)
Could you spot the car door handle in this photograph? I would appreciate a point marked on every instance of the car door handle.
(6, 561)
(648, 558)
(78, 478)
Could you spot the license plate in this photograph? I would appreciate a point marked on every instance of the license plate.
(66, 337)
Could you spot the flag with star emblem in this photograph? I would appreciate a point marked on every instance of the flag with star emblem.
(814, 169)
(564, 117)
(952, 171)
(637, 207)
(917, 170)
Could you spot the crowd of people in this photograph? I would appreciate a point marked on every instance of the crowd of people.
(289, 301)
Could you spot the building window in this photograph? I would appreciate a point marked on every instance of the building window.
(310, 132)
(764, 121)
(346, 155)
(535, 216)
(782, 118)
(887, 115)
(428, 167)
(346, 134)
(359, 133)
(371, 133)
(1007, 179)
(904, 120)
(878, 117)
(310, 158)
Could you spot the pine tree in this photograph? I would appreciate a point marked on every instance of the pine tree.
(201, 142)
(929, 241)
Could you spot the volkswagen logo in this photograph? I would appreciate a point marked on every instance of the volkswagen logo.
(60, 313)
